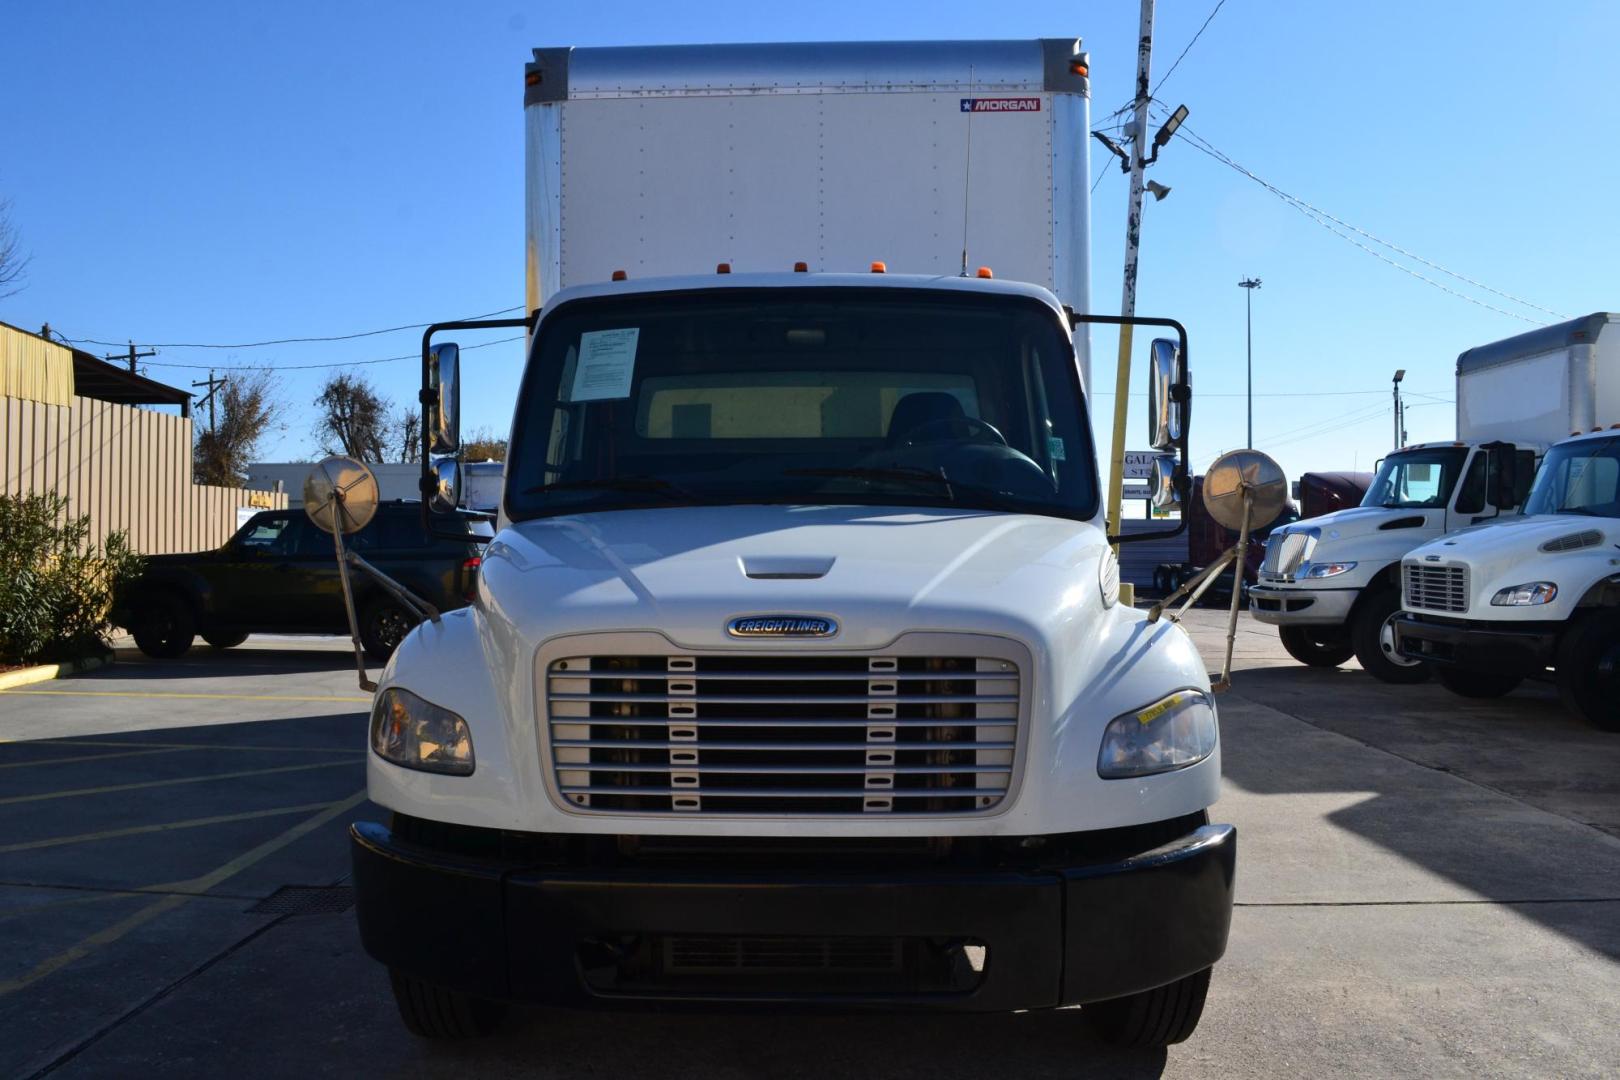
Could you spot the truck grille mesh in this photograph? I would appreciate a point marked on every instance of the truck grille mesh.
(794, 734)
(1436, 588)
(1285, 552)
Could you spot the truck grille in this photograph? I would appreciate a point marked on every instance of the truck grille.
(1285, 552)
(794, 734)
(1436, 588)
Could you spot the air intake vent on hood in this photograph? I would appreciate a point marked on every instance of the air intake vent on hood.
(789, 567)
(1574, 541)
(1402, 523)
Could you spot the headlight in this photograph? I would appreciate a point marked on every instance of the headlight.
(1172, 733)
(1329, 569)
(1526, 595)
(417, 735)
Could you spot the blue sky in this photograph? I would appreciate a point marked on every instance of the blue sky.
(226, 173)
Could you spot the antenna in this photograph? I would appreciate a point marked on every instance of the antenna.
(967, 169)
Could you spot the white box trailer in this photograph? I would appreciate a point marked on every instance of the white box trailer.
(929, 157)
(480, 489)
(1543, 386)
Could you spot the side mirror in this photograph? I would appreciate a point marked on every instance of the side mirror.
(446, 495)
(444, 398)
(1508, 487)
(1166, 492)
(1167, 391)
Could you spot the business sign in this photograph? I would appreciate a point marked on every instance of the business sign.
(1131, 491)
(1139, 464)
(1001, 104)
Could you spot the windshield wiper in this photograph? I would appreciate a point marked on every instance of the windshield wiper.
(1583, 510)
(639, 485)
(903, 474)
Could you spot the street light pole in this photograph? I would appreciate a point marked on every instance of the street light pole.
(1249, 285)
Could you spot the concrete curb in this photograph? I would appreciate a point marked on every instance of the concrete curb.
(46, 672)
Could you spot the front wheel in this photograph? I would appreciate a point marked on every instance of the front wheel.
(1157, 1017)
(1372, 633)
(435, 1012)
(1588, 670)
(1316, 647)
(1476, 684)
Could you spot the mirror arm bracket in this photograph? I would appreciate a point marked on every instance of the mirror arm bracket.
(395, 589)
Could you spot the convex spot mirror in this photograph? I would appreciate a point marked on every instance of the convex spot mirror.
(446, 493)
(444, 398)
(340, 495)
(1167, 394)
(1163, 483)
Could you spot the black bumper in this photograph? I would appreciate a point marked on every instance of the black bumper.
(1050, 936)
(1522, 650)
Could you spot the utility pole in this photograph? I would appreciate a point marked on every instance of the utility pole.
(132, 356)
(213, 385)
(1249, 285)
(1400, 410)
(1133, 240)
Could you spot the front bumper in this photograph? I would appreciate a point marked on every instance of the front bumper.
(1513, 649)
(1301, 607)
(1050, 935)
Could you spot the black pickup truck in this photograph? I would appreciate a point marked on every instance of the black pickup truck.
(279, 574)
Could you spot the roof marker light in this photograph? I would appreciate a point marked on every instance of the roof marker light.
(984, 272)
(801, 268)
(879, 268)
(723, 268)
(619, 275)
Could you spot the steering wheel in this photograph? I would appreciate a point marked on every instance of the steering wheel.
(955, 423)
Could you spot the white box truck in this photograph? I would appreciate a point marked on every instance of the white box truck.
(798, 672)
(1332, 585)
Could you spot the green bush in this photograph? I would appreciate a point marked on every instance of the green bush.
(56, 589)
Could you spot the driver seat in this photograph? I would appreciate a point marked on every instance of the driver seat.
(923, 407)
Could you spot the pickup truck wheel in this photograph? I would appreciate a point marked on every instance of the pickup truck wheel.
(1157, 1017)
(383, 625)
(1476, 684)
(435, 1012)
(164, 626)
(1372, 633)
(1316, 647)
(1588, 670)
(221, 640)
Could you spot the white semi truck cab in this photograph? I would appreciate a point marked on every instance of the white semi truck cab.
(797, 671)
(1534, 596)
(1332, 584)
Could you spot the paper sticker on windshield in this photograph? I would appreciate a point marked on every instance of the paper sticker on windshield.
(1054, 448)
(607, 361)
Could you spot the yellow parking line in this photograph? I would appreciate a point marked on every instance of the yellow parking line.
(167, 783)
(176, 694)
(136, 830)
(180, 746)
(168, 903)
(81, 757)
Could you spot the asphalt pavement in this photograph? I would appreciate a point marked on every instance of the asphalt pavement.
(1426, 887)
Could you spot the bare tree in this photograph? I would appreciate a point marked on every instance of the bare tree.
(353, 418)
(409, 428)
(247, 409)
(13, 261)
(482, 445)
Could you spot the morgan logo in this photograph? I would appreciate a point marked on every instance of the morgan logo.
(1001, 104)
(748, 626)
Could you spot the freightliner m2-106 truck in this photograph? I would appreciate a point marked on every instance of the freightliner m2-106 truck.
(1332, 585)
(797, 671)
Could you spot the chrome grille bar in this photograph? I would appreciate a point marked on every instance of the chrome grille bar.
(1436, 588)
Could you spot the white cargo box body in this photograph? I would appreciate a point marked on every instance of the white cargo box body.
(1539, 387)
(673, 159)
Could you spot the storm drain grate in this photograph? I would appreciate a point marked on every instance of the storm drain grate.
(306, 900)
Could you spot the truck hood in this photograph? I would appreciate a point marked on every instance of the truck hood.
(1361, 520)
(1509, 553)
(1372, 537)
(878, 571)
(1516, 538)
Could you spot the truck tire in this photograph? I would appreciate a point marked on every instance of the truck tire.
(1587, 669)
(1157, 1017)
(384, 622)
(1372, 634)
(164, 626)
(1468, 683)
(1316, 647)
(435, 1012)
(221, 640)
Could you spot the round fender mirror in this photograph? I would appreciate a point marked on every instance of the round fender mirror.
(1245, 471)
(340, 495)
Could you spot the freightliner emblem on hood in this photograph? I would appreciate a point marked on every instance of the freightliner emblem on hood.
(748, 626)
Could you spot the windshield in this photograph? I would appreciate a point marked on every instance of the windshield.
(803, 396)
(1415, 479)
(1578, 478)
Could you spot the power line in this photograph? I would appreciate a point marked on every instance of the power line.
(1166, 76)
(1322, 218)
(291, 341)
(1280, 393)
(344, 364)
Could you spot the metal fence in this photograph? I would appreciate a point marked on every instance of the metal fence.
(128, 468)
